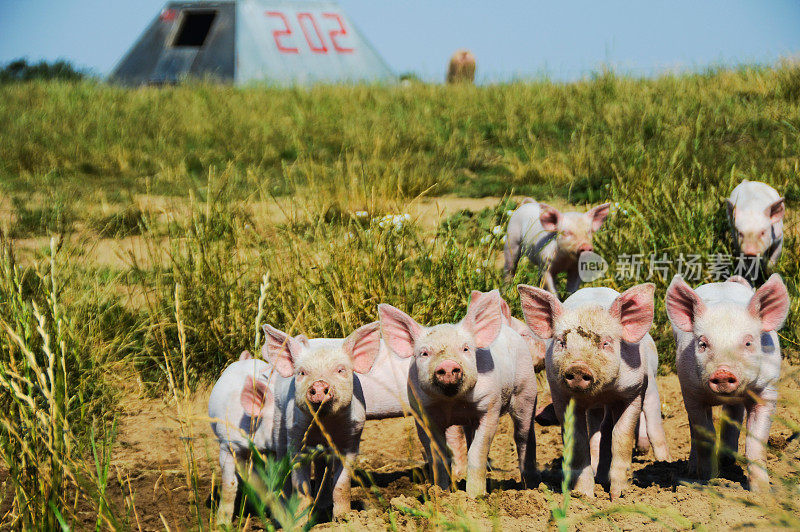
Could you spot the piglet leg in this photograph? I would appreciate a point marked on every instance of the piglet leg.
(573, 280)
(478, 453)
(458, 444)
(730, 431)
(622, 439)
(581, 454)
(523, 413)
(654, 426)
(229, 484)
(701, 427)
(435, 448)
(759, 419)
(341, 484)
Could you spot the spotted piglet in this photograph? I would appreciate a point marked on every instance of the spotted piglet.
(728, 354)
(319, 402)
(599, 357)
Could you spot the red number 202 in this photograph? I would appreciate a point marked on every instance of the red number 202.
(309, 32)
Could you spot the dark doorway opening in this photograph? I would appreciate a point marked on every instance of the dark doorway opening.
(194, 28)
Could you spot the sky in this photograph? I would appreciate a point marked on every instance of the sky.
(560, 39)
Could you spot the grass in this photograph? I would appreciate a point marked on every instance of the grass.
(286, 207)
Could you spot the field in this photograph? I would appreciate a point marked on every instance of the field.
(147, 233)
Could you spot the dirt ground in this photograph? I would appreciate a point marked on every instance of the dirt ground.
(150, 457)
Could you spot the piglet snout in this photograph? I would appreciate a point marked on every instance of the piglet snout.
(448, 373)
(723, 381)
(585, 248)
(578, 377)
(319, 392)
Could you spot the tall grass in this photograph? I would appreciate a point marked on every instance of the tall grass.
(51, 401)
(540, 138)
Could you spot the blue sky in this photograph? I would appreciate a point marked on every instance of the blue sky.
(512, 39)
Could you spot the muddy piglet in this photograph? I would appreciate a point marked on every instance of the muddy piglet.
(598, 356)
(319, 402)
(467, 374)
(755, 213)
(728, 354)
(551, 239)
(241, 411)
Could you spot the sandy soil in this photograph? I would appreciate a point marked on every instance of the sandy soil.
(151, 456)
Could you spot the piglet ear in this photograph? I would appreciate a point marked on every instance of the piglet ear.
(282, 350)
(540, 308)
(398, 329)
(770, 304)
(634, 309)
(255, 396)
(484, 318)
(245, 355)
(731, 206)
(505, 310)
(475, 294)
(740, 280)
(683, 304)
(598, 215)
(776, 211)
(362, 346)
(549, 217)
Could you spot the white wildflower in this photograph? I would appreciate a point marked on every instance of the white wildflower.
(485, 239)
(361, 214)
(497, 230)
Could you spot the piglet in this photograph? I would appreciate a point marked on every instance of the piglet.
(319, 402)
(467, 374)
(755, 213)
(551, 239)
(599, 356)
(241, 409)
(728, 354)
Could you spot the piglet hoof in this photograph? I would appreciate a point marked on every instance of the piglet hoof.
(758, 479)
(585, 487)
(476, 487)
(582, 494)
(546, 416)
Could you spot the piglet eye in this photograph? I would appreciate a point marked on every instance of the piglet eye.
(466, 349)
(561, 343)
(702, 345)
(606, 344)
(302, 373)
(341, 369)
(424, 353)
